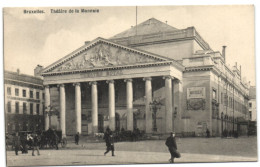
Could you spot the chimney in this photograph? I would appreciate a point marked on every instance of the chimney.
(18, 71)
(236, 64)
(38, 70)
(150, 21)
(224, 52)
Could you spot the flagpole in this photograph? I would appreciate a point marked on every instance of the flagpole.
(136, 21)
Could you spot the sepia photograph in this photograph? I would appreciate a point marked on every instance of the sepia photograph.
(124, 85)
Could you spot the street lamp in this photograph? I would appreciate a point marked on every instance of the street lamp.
(222, 117)
(155, 106)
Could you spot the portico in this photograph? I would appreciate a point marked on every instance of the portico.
(99, 67)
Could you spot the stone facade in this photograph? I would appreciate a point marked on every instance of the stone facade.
(114, 83)
(24, 102)
(252, 104)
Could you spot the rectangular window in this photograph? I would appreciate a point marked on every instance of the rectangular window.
(24, 108)
(24, 93)
(43, 96)
(37, 95)
(17, 107)
(100, 96)
(250, 105)
(31, 94)
(31, 108)
(9, 92)
(9, 109)
(43, 108)
(116, 95)
(250, 115)
(226, 100)
(214, 94)
(38, 109)
(16, 92)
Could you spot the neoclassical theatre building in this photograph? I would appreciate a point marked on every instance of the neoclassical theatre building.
(153, 77)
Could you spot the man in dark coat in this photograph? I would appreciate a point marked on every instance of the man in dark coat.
(77, 139)
(109, 141)
(208, 133)
(24, 144)
(36, 143)
(17, 143)
(172, 146)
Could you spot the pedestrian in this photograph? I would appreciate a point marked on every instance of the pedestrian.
(24, 144)
(17, 143)
(208, 133)
(55, 139)
(35, 143)
(109, 141)
(77, 139)
(172, 146)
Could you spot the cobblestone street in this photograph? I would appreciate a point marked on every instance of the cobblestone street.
(153, 151)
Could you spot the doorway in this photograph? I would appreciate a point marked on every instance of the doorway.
(117, 122)
(100, 123)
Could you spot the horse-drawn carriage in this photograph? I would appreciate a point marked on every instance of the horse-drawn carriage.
(52, 139)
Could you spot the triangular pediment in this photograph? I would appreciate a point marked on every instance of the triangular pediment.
(102, 53)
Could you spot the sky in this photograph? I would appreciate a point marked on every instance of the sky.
(32, 39)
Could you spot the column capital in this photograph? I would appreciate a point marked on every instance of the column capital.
(168, 77)
(93, 83)
(110, 81)
(46, 86)
(177, 81)
(147, 78)
(76, 84)
(60, 85)
(128, 80)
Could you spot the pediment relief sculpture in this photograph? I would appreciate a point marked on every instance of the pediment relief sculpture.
(103, 55)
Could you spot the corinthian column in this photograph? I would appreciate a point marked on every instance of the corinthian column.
(94, 101)
(129, 103)
(168, 103)
(47, 104)
(111, 104)
(148, 100)
(62, 109)
(78, 107)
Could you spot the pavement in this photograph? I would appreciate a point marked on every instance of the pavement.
(90, 157)
(142, 152)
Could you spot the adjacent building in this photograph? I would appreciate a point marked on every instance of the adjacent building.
(24, 102)
(252, 104)
(153, 77)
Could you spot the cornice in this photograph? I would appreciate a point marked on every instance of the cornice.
(109, 68)
(199, 68)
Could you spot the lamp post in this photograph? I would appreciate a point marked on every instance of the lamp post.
(222, 117)
(155, 106)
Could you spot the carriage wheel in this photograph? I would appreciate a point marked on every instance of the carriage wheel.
(63, 142)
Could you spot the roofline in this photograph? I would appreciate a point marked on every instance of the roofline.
(191, 33)
(25, 75)
(113, 37)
